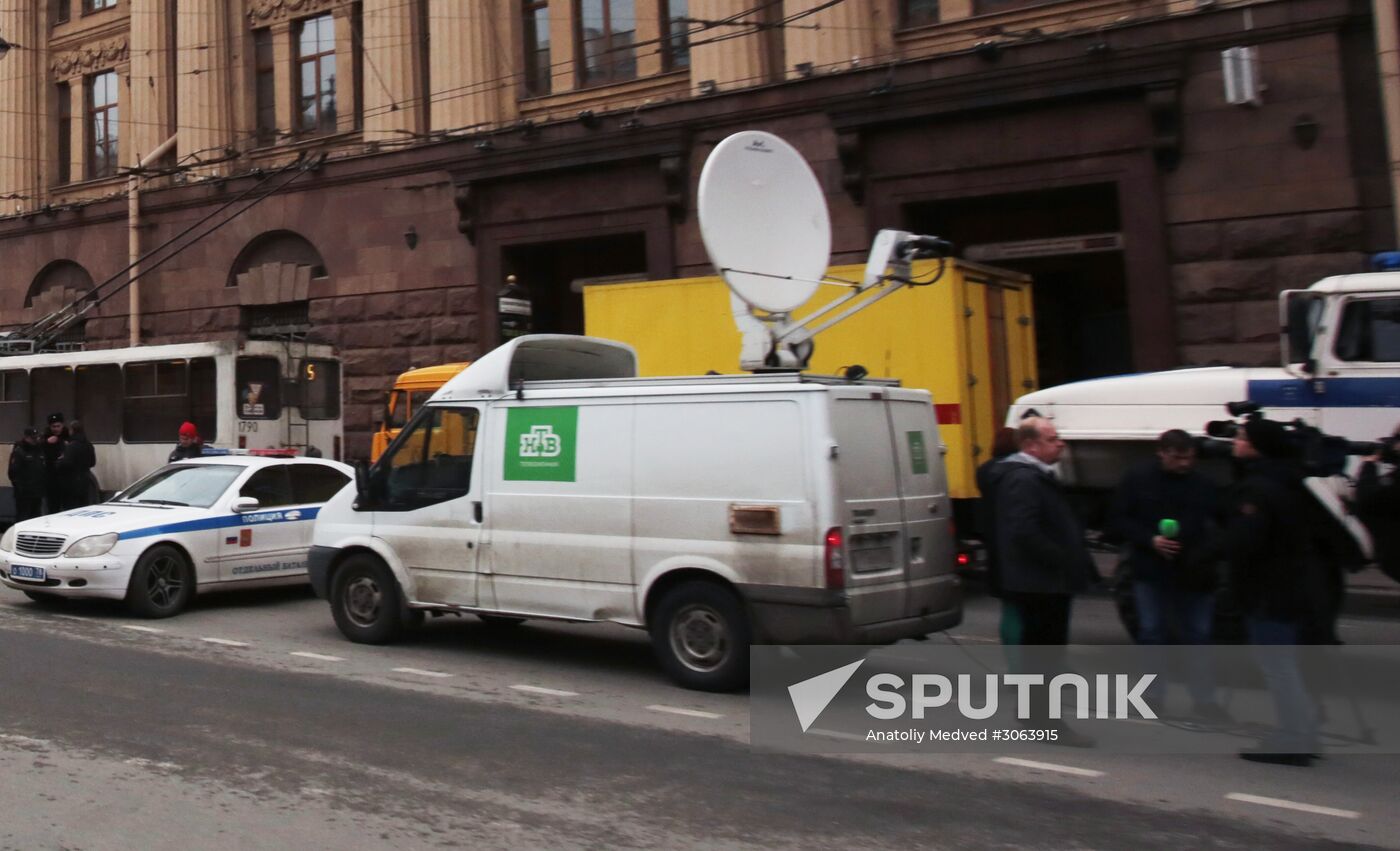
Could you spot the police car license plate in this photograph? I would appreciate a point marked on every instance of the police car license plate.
(24, 571)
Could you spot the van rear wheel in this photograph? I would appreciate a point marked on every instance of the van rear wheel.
(366, 602)
(701, 637)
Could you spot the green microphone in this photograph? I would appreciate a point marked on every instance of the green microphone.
(1169, 528)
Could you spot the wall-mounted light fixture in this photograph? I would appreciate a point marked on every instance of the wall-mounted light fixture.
(410, 237)
(1305, 131)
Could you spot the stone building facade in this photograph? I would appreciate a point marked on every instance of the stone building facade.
(456, 142)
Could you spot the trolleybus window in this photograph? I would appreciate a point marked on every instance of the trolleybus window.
(204, 396)
(14, 402)
(157, 401)
(51, 388)
(320, 395)
(99, 402)
(259, 389)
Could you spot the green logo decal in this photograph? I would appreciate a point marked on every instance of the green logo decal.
(918, 456)
(541, 444)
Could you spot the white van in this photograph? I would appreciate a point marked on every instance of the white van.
(547, 481)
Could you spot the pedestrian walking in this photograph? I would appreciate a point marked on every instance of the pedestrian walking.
(988, 476)
(55, 438)
(1164, 510)
(78, 484)
(27, 475)
(1273, 578)
(1042, 561)
(190, 445)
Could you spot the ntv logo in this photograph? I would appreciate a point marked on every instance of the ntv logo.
(541, 442)
(1113, 696)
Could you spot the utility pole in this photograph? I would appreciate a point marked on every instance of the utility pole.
(133, 201)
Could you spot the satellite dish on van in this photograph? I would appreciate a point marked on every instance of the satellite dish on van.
(764, 221)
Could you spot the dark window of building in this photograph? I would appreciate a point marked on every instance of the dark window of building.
(536, 29)
(320, 389)
(1370, 331)
(270, 486)
(675, 33)
(315, 482)
(102, 124)
(14, 403)
(157, 401)
(315, 67)
(917, 13)
(99, 401)
(259, 389)
(265, 86)
(98, 5)
(607, 31)
(58, 12)
(65, 132)
(987, 7)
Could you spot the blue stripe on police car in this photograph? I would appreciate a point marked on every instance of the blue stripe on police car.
(261, 518)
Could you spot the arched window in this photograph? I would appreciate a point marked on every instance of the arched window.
(273, 274)
(276, 248)
(58, 285)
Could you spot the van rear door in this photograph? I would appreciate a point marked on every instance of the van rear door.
(923, 487)
(870, 509)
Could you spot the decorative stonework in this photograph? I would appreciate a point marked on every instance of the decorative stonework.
(90, 58)
(271, 11)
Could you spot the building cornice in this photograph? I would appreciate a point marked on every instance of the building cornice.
(94, 56)
(264, 12)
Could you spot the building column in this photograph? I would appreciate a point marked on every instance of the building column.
(347, 116)
(203, 79)
(22, 77)
(284, 74)
(391, 77)
(469, 82)
(735, 62)
(835, 38)
(147, 114)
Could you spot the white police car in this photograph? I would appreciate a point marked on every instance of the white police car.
(202, 524)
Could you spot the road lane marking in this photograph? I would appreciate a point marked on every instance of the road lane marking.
(422, 673)
(552, 692)
(141, 762)
(1048, 766)
(1282, 804)
(23, 740)
(318, 656)
(138, 628)
(225, 642)
(689, 713)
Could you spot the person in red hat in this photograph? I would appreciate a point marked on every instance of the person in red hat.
(191, 445)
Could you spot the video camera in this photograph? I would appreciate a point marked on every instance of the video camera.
(1319, 453)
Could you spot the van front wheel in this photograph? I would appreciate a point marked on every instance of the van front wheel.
(701, 637)
(365, 601)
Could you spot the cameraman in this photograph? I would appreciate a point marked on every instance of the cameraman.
(1273, 576)
(1378, 503)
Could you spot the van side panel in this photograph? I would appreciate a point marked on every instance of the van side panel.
(933, 587)
(559, 516)
(695, 459)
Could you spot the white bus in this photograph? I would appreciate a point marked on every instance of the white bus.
(248, 395)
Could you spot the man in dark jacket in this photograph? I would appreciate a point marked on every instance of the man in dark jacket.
(54, 441)
(74, 468)
(27, 475)
(1274, 578)
(1040, 543)
(1164, 510)
(988, 476)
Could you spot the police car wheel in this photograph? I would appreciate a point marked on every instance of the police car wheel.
(162, 583)
(701, 637)
(365, 601)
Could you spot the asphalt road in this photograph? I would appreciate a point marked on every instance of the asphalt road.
(249, 722)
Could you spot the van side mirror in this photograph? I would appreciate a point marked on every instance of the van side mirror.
(361, 479)
(244, 504)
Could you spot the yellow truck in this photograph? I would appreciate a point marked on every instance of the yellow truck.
(969, 339)
(411, 389)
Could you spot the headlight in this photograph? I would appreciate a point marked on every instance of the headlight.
(7, 541)
(93, 545)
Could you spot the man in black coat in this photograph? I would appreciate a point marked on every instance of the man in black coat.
(74, 468)
(1040, 543)
(27, 475)
(1275, 577)
(54, 442)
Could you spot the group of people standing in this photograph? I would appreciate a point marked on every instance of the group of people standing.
(1187, 543)
(52, 471)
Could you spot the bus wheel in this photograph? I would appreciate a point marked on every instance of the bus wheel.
(161, 584)
(366, 602)
(701, 637)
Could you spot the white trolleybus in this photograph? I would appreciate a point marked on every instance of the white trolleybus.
(242, 395)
